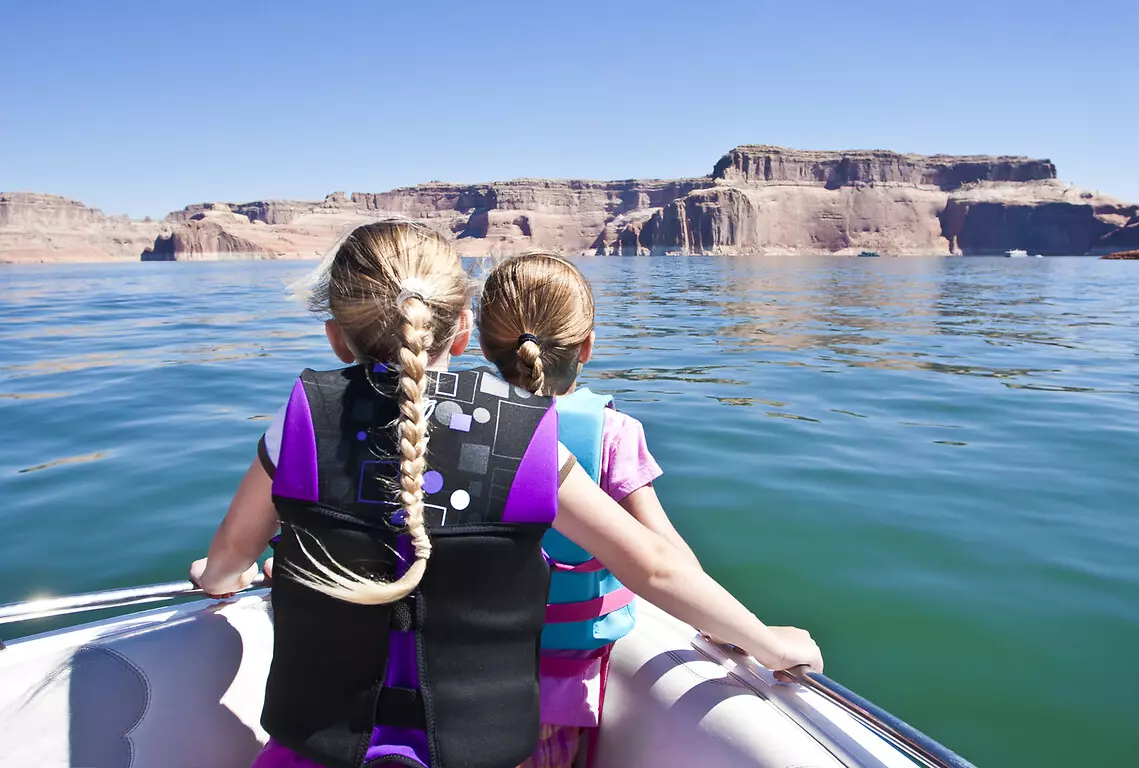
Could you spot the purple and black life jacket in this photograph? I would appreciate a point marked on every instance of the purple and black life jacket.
(447, 677)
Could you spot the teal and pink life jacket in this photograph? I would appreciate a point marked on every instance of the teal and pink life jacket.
(588, 608)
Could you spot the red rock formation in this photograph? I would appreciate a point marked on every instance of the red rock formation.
(770, 199)
(1122, 255)
(1045, 217)
(1125, 237)
(36, 227)
(767, 164)
(202, 240)
(758, 199)
(267, 211)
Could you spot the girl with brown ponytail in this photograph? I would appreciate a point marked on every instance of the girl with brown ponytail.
(410, 589)
(536, 324)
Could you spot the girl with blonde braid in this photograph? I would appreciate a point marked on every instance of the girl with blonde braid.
(410, 588)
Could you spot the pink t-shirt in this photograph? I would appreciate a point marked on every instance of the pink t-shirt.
(626, 465)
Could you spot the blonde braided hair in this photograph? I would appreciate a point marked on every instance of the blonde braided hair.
(415, 339)
(397, 290)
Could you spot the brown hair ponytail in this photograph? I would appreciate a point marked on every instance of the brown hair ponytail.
(535, 313)
(531, 368)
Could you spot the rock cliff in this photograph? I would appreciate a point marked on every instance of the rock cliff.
(41, 228)
(772, 165)
(203, 238)
(773, 200)
(757, 199)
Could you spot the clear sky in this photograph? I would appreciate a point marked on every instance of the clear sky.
(143, 107)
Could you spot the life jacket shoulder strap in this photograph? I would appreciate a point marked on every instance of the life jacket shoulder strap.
(581, 426)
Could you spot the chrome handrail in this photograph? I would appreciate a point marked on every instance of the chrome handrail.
(892, 730)
(110, 598)
(901, 734)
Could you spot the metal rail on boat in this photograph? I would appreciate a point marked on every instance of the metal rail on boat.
(901, 734)
(111, 598)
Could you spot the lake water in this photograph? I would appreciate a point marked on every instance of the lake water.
(930, 463)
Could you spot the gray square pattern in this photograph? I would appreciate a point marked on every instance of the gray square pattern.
(492, 385)
(474, 458)
(505, 409)
(446, 384)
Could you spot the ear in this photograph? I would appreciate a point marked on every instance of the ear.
(337, 341)
(463, 332)
(585, 352)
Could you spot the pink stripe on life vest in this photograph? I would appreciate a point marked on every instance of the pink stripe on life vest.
(591, 565)
(570, 666)
(557, 667)
(561, 613)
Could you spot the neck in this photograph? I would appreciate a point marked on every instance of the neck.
(440, 362)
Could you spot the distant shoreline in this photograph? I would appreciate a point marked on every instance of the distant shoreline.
(757, 199)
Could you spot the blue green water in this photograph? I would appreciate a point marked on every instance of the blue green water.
(930, 463)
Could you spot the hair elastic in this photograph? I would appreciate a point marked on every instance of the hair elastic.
(405, 294)
(525, 338)
(414, 288)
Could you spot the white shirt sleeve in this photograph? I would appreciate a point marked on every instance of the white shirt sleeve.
(271, 440)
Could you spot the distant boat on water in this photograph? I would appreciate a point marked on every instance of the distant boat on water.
(868, 255)
(1016, 253)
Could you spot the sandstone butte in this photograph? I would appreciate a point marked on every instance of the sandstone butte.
(757, 199)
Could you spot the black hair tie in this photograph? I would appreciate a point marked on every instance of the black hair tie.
(525, 338)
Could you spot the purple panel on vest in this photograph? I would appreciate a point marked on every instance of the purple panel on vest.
(296, 476)
(402, 671)
(533, 496)
(277, 755)
(399, 741)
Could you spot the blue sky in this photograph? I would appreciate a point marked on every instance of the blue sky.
(142, 108)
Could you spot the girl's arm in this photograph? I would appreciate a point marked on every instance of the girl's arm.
(648, 565)
(242, 536)
(645, 508)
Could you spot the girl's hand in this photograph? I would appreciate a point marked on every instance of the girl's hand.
(208, 582)
(796, 649)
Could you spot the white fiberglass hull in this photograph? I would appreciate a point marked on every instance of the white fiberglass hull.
(182, 687)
